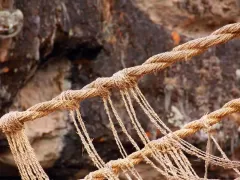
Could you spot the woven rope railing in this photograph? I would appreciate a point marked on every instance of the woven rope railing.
(167, 151)
(124, 78)
(189, 129)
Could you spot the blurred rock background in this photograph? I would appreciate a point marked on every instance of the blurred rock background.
(66, 44)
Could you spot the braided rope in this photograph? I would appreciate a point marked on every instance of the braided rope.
(189, 129)
(122, 79)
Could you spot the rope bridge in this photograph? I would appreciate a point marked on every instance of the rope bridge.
(166, 155)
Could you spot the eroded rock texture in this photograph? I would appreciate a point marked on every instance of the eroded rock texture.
(66, 44)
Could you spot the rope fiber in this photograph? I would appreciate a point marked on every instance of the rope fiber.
(167, 155)
(123, 79)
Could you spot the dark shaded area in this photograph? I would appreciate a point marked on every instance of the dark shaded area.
(72, 48)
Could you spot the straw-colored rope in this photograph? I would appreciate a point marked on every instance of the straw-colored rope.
(165, 151)
(189, 129)
(122, 79)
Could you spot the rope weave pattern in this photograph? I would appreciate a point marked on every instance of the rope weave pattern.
(189, 129)
(122, 79)
(165, 150)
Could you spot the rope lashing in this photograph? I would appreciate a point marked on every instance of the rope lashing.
(189, 129)
(167, 151)
(153, 64)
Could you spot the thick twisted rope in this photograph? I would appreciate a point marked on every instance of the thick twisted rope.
(189, 129)
(120, 80)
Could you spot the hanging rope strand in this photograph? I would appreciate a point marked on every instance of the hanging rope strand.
(119, 143)
(133, 142)
(155, 63)
(12, 123)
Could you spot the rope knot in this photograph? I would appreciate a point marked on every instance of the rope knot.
(10, 122)
(124, 163)
(103, 84)
(67, 100)
(123, 81)
(207, 127)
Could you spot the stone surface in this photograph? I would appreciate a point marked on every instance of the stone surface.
(45, 134)
(67, 44)
(191, 18)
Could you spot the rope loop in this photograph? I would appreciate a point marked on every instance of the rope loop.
(207, 128)
(68, 100)
(102, 86)
(10, 123)
(123, 81)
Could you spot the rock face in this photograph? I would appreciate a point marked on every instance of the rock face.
(46, 134)
(67, 44)
(192, 18)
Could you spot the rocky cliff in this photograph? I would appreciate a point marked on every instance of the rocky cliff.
(66, 44)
